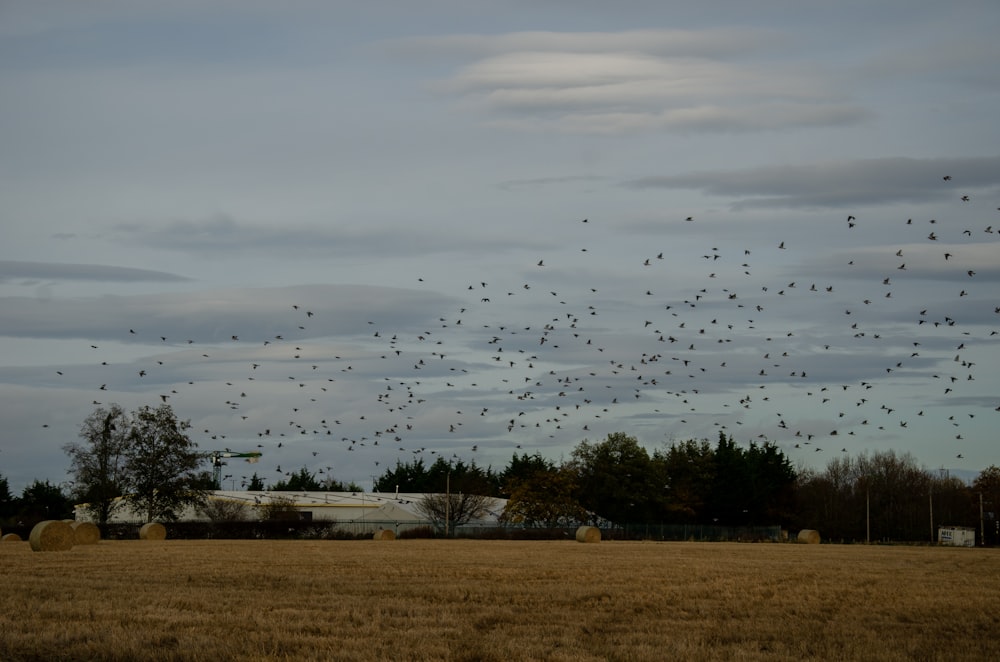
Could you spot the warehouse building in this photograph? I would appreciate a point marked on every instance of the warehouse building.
(357, 512)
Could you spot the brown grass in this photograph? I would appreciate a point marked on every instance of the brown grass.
(464, 600)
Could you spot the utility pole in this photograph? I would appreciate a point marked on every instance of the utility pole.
(447, 503)
(982, 526)
(868, 516)
(930, 498)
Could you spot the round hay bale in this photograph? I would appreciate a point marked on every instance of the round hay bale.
(10, 537)
(384, 534)
(588, 534)
(51, 536)
(152, 531)
(86, 533)
(809, 536)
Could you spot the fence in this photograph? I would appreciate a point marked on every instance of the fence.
(291, 529)
(695, 532)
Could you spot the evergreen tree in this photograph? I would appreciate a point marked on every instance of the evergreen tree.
(43, 501)
(8, 504)
(301, 481)
(616, 481)
(689, 470)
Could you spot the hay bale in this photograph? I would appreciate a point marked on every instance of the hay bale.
(86, 533)
(809, 536)
(384, 534)
(152, 531)
(588, 534)
(52, 536)
(10, 537)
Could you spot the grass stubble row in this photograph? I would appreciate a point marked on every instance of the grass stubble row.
(467, 600)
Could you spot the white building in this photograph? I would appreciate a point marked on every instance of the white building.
(353, 511)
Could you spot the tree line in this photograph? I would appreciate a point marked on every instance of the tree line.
(147, 460)
(880, 496)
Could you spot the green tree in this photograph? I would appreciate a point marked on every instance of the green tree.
(521, 467)
(256, 483)
(8, 504)
(731, 486)
(616, 481)
(42, 501)
(771, 479)
(405, 477)
(331, 484)
(301, 481)
(416, 477)
(161, 464)
(544, 497)
(689, 469)
(97, 463)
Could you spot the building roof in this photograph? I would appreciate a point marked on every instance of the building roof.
(340, 506)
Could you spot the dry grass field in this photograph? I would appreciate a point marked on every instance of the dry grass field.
(497, 600)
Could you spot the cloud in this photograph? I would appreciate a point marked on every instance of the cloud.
(215, 316)
(220, 235)
(964, 56)
(717, 119)
(715, 42)
(635, 81)
(838, 183)
(13, 269)
(970, 263)
(536, 182)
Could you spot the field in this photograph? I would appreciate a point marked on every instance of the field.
(497, 600)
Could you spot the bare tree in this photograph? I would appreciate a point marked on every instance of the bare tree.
(97, 464)
(451, 510)
(278, 508)
(224, 510)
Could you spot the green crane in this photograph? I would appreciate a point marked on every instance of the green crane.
(217, 458)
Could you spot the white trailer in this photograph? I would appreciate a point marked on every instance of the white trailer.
(957, 536)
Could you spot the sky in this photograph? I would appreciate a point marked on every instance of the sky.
(350, 234)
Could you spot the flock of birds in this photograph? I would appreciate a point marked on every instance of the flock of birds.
(527, 365)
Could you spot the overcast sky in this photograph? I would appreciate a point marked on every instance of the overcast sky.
(346, 234)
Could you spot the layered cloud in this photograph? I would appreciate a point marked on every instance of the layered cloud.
(32, 271)
(220, 235)
(718, 80)
(838, 183)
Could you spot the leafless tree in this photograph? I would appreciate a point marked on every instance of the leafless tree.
(451, 510)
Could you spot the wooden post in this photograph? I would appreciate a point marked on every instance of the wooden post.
(868, 517)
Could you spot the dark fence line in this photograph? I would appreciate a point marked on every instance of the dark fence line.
(357, 530)
(697, 532)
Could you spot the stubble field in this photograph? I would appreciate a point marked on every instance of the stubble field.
(497, 600)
